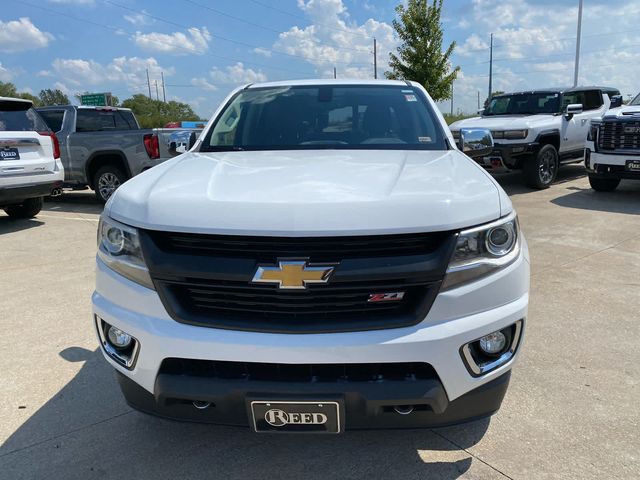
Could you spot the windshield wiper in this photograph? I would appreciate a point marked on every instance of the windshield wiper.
(223, 148)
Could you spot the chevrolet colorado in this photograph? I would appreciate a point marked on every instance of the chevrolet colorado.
(325, 257)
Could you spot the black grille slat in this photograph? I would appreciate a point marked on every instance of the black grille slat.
(299, 373)
(314, 247)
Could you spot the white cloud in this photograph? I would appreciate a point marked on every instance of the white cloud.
(262, 51)
(80, 74)
(139, 19)
(194, 42)
(333, 39)
(237, 74)
(5, 74)
(20, 35)
(204, 84)
(535, 46)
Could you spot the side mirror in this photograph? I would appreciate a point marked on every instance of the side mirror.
(480, 112)
(475, 142)
(616, 101)
(572, 109)
(192, 140)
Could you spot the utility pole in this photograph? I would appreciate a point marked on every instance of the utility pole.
(577, 62)
(148, 84)
(375, 58)
(164, 92)
(490, 68)
(157, 95)
(478, 99)
(452, 99)
(335, 75)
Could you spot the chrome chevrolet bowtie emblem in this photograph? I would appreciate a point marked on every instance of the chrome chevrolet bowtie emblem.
(293, 274)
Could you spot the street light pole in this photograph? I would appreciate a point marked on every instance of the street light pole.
(577, 62)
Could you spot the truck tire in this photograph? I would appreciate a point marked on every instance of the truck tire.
(106, 180)
(541, 171)
(27, 209)
(603, 184)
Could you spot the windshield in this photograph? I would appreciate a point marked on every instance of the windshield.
(635, 101)
(336, 117)
(524, 104)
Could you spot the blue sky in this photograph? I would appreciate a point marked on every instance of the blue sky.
(206, 47)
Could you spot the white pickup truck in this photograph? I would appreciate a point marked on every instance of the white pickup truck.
(537, 131)
(324, 257)
(612, 151)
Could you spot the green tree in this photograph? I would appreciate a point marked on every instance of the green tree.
(8, 89)
(420, 56)
(53, 97)
(156, 113)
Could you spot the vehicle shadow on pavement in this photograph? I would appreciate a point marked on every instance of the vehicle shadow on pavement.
(512, 182)
(625, 199)
(83, 201)
(10, 225)
(87, 431)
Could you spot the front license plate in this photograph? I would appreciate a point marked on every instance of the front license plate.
(296, 417)
(633, 165)
(9, 154)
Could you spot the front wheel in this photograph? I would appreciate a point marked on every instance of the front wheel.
(27, 209)
(603, 184)
(106, 180)
(541, 171)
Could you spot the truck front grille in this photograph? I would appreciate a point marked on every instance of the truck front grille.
(619, 135)
(206, 280)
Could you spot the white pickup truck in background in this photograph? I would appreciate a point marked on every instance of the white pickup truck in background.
(612, 151)
(537, 131)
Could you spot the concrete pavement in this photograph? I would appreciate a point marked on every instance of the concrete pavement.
(571, 411)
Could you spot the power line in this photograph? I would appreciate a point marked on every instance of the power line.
(220, 37)
(159, 42)
(301, 17)
(263, 27)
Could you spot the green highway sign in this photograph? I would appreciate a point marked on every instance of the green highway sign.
(96, 99)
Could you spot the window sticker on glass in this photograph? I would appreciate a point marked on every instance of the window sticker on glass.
(410, 98)
(424, 139)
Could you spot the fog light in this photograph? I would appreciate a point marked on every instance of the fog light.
(118, 338)
(493, 343)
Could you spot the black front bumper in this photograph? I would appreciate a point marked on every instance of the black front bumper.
(15, 195)
(366, 404)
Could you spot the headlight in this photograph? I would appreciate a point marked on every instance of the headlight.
(593, 132)
(516, 134)
(482, 250)
(119, 248)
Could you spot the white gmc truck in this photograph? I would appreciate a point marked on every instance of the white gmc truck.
(612, 151)
(323, 258)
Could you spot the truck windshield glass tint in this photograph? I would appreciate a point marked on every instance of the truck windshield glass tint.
(524, 104)
(347, 117)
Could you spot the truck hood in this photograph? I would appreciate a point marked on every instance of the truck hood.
(628, 112)
(504, 122)
(320, 192)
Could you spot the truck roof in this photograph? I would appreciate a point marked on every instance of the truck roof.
(14, 99)
(558, 90)
(324, 81)
(83, 107)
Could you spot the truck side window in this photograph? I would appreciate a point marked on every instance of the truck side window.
(95, 121)
(53, 118)
(592, 100)
(125, 121)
